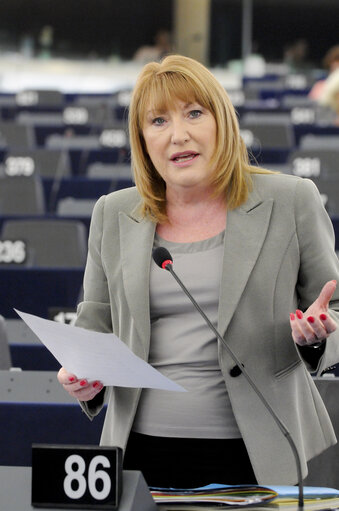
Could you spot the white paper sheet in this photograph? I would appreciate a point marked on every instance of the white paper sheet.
(96, 356)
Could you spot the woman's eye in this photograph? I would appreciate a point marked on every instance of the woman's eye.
(195, 113)
(158, 121)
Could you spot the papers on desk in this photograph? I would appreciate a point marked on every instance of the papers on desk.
(214, 494)
(96, 356)
(219, 496)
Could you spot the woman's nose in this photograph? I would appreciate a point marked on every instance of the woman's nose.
(180, 133)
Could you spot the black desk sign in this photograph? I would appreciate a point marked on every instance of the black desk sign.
(76, 476)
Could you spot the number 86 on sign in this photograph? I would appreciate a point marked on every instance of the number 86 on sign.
(94, 476)
(76, 476)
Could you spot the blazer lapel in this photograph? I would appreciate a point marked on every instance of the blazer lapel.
(244, 236)
(136, 237)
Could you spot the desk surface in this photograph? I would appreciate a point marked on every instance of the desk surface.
(15, 491)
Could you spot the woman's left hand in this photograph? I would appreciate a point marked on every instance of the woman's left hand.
(315, 324)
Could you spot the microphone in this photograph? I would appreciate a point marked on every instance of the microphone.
(163, 258)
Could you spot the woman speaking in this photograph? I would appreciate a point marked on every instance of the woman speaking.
(255, 249)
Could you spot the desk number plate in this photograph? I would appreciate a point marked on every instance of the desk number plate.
(76, 476)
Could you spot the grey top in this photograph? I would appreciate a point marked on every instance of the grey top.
(184, 348)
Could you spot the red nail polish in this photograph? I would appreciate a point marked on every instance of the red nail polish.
(96, 384)
(292, 316)
(83, 382)
(323, 317)
(310, 319)
(71, 378)
(299, 314)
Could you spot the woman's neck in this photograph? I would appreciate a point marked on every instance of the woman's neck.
(194, 219)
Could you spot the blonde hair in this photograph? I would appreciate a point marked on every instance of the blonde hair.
(158, 86)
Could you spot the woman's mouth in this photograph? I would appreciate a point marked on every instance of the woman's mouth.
(184, 158)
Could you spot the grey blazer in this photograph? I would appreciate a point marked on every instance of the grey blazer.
(278, 253)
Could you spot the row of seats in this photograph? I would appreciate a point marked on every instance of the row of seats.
(48, 287)
(74, 196)
(275, 140)
(297, 122)
(51, 243)
(78, 137)
(46, 279)
(51, 185)
(55, 136)
(40, 101)
(38, 196)
(52, 163)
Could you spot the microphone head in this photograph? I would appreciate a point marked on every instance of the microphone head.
(162, 257)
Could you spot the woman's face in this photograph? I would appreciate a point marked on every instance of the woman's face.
(181, 142)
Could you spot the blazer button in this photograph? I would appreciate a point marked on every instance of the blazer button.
(235, 371)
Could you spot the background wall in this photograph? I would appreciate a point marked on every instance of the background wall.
(85, 27)
(276, 24)
(105, 28)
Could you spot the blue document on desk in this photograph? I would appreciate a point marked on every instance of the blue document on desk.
(310, 492)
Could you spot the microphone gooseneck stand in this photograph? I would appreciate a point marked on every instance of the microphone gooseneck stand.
(164, 259)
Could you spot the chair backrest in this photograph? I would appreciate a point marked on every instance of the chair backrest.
(20, 195)
(296, 100)
(5, 355)
(79, 142)
(13, 135)
(49, 243)
(7, 99)
(44, 98)
(70, 206)
(45, 162)
(315, 163)
(20, 333)
(109, 171)
(253, 87)
(267, 131)
(40, 119)
(329, 191)
(323, 469)
(310, 141)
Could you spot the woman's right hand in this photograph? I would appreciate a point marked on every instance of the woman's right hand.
(80, 389)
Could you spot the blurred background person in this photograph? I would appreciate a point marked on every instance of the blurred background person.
(162, 47)
(331, 64)
(296, 55)
(330, 95)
